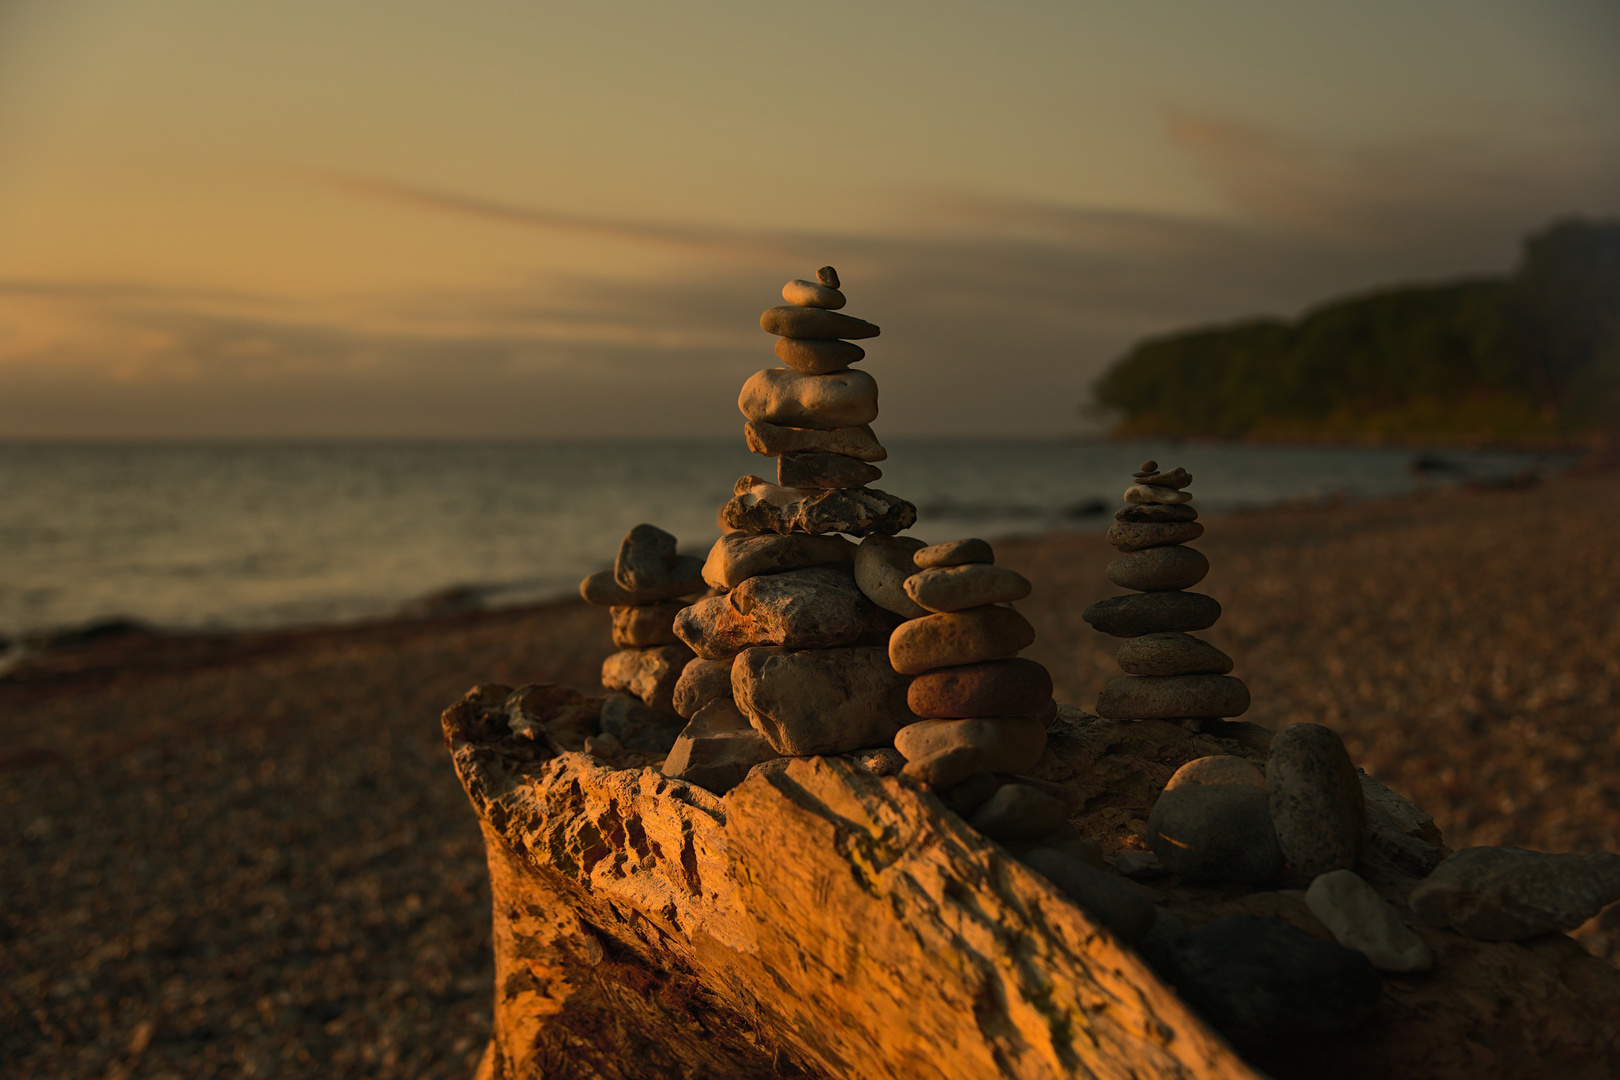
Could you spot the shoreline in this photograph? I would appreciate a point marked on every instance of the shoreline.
(261, 839)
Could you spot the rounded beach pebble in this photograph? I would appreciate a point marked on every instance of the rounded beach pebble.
(1013, 687)
(1158, 569)
(958, 637)
(1212, 823)
(1317, 806)
(1172, 654)
(1153, 613)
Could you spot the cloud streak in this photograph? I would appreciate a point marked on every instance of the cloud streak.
(997, 313)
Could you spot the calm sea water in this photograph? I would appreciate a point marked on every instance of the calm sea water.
(225, 536)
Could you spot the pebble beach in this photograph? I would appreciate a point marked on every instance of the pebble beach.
(248, 854)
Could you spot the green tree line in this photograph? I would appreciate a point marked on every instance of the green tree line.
(1532, 355)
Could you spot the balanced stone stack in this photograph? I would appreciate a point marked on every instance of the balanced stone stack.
(984, 709)
(791, 656)
(643, 592)
(1171, 674)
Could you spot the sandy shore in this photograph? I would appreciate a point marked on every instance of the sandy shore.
(250, 856)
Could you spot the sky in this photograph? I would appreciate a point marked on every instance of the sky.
(491, 219)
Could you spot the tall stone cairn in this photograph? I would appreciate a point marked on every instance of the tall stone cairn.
(791, 656)
(1171, 675)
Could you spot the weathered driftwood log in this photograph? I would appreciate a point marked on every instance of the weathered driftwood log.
(823, 921)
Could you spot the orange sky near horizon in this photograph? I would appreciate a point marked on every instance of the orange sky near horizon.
(503, 220)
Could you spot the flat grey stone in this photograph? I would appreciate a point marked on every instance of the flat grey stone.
(1114, 903)
(1317, 807)
(1362, 920)
(1175, 478)
(1153, 613)
(1508, 894)
(1172, 697)
(1212, 823)
(955, 553)
(807, 322)
(1159, 496)
(1171, 654)
(1136, 535)
(1156, 512)
(1158, 569)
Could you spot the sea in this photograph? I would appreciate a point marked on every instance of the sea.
(234, 536)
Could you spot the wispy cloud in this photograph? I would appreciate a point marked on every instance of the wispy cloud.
(997, 313)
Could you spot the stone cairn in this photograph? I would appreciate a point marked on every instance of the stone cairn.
(1171, 675)
(643, 592)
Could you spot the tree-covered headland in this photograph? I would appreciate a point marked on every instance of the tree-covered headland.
(1532, 356)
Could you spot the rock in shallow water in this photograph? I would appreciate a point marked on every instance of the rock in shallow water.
(1171, 654)
(821, 701)
(958, 637)
(1212, 823)
(1508, 894)
(1257, 978)
(1317, 806)
(1362, 920)
(1153, 613)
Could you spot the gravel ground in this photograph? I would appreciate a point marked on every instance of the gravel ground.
(250, 856)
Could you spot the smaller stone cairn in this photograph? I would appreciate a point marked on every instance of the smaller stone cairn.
(643, 592)
(1171, 675)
